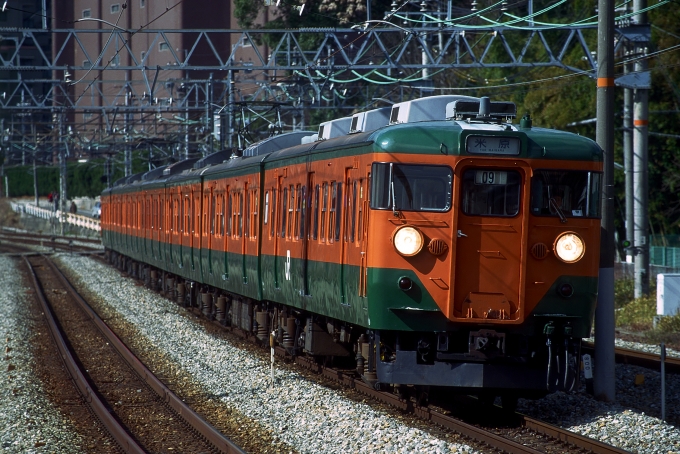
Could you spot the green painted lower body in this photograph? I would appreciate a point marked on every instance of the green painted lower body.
(307, 286)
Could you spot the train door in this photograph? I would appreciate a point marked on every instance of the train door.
(278, 200)
(227, 207)
(146, 224)
(176, 236)
(210, 208)
(252, 205)
(195, 238)
(305, 230)
(244, 207)
(353, 238)
(490, 240)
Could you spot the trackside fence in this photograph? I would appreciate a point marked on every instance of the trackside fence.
(77, 220)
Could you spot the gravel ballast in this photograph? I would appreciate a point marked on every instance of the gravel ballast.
(308, 417)
(29, 422)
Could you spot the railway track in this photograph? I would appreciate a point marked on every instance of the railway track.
(537, 436)
(137, 410)
(639, 358)
(19, 240)
(534, 436)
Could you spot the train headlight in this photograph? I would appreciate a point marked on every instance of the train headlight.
(569, 247)
(408, 241)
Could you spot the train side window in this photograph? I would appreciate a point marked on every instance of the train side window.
(255, 209)
(348, 210)
(266, 207)
(284, 211)
(272, 227)
(240, 214)
(246, 212)
(298, 212)
(362, 201)
(213, 214)
(303, 212)
(230, 213)
(206, 213)
(187, 215)
(338, 215)
(197, 209)
(315, 213)
(291, 211)
(354, 212)
(331, 215)
(324, 210)
(220, 207)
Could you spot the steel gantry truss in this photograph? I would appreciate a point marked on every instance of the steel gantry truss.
(136, 93)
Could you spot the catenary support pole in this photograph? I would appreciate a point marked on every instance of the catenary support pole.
(628, 158)
(604, 379)
(640, 162)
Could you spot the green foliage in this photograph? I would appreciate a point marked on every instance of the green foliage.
(667, 330)
(83, 179)
(624, 291)
(637, 314)
(246, 11)
(20, 180)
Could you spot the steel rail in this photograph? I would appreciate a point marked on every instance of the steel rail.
(16, 234)
(212, 435)
(424, 413)
(639, 358)
(118, 433)
(463, 428)
(572, 438)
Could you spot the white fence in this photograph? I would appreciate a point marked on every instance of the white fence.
(60, 216)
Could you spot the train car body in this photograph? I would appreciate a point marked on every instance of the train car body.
(447, 248)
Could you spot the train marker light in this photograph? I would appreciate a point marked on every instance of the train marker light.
(566, 290)
(408, 241)
(405, 283)
(569, 247)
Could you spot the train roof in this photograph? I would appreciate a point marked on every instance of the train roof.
(433, 125)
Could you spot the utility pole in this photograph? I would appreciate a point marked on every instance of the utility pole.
(230, 110)
(640, 161)
(604, 379)
(126, 132)
(62, 172)
(628, 157)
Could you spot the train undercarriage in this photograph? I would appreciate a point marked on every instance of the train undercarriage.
(481, 361)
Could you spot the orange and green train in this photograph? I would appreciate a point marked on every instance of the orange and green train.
(433, 243)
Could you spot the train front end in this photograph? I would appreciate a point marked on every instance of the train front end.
(484, 253)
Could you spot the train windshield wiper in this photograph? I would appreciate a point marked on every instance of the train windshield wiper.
(393, 198)
(556, 207)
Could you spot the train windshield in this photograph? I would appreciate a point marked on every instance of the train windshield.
(411, 187)
(491, 192)
(566, 193)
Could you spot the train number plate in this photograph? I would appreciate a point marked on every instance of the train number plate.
(491, 177)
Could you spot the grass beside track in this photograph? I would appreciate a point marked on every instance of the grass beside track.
(637, 315)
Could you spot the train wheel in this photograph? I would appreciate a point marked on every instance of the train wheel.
(423, 396)
(486, 400)
(509, 402)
